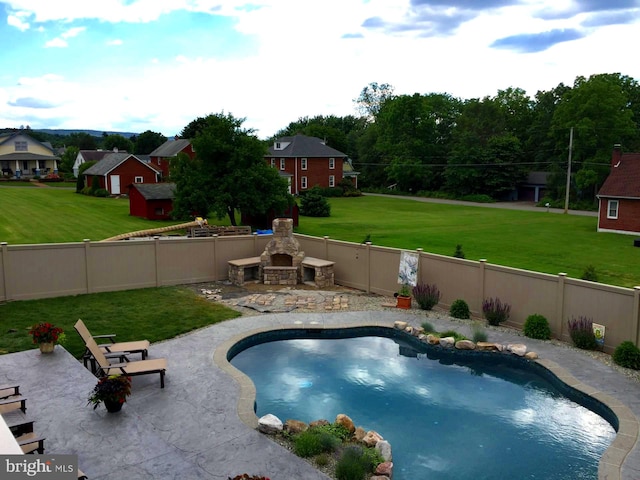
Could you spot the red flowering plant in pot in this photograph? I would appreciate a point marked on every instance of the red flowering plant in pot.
(46, 335)
(113, 390)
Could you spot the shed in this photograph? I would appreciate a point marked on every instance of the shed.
(153, 201)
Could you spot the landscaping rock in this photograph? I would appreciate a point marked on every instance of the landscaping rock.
(447, 342)
(518, 349)
(399, 325)
(346, 422)
(295, 426)
(465, 345)
(385, 469)
(531, 355)
(359, 434)
(433, 340)
(384, 448)
(371, 438)
(317, 423)
(270, 424)
(487, 346)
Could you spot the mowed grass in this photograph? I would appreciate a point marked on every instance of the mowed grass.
(55, 215)
(538, 241)
(153, 314)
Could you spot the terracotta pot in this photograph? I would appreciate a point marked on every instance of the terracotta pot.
(46, 347)
(112, 406)
(403, 302)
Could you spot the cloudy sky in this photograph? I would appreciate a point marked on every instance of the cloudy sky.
(136, 65)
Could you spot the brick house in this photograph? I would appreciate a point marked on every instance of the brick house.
(619, 197)
(153, 201)
(308, 161)
(161, 156)
(117, 171)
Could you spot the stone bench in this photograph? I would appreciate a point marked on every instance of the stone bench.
(317, 271)
(244, 270)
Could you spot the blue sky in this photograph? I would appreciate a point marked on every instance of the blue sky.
(136, 65)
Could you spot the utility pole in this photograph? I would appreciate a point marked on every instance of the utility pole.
(566, 196)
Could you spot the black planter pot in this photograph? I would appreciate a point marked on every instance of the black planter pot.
(112, 406)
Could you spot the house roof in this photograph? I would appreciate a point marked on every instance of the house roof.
(624, 179)
(156, 191)
(303, 146)
(27, 156)
(95, 155)
(5, 137)
(111, 161)
(170, 148)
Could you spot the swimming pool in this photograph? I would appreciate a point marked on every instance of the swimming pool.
(446, 414)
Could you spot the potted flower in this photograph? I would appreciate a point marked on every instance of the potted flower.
(46, 335)
(113, 390)
(403, 297)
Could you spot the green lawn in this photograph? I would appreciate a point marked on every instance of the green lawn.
(538, 241)
(56, 215)
(153, 314)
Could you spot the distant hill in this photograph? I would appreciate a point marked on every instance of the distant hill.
(94, 133)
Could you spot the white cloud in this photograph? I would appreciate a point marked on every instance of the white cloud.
(115, 42)
(73, 32)
(16, 21)
(56, 43)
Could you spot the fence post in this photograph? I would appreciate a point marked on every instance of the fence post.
(87, 273)
(636, 314)
(5, 259)
(215, 257)
(482, 263)
(156, 251)
(368, 249)
(560, 303)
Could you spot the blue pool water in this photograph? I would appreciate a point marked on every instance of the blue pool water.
(447, 416)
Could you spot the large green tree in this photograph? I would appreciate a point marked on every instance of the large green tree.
(115, 140)
(228, 174)
(148, 141)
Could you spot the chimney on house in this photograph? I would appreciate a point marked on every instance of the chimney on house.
(616, 156)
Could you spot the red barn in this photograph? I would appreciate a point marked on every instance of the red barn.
(161, 157)
(619, 197)
(151, 201)
(308, 161)
(116, 171)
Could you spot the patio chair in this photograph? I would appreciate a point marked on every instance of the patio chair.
(132, 368)
(122, 348)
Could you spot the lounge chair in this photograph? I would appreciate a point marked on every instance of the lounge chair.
(121, 348)
(133, 368)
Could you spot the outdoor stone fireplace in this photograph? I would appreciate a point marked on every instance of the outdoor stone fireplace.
(282, 262)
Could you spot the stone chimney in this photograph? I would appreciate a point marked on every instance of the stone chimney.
(616, 157)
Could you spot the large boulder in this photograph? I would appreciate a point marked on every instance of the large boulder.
(385, 469)
(270, 424)
(447, 342)
(384, 448)
(519, 349)
(346, 422)
(371, 438)
(465, 345)
(295, 426)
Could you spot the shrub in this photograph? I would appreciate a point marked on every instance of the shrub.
(590, 274)
(355, 463)
(581, 332)
(428, 327)
(313, 204)
(335, 429)
(627, 355)
(537, 326)
(479, 333)
(95, 184)
(495, 311)
(477, 198)
(452, 333)
(426, 295)
(314, 441)
(322, 460)
(101, 192)
(458, 253)
(459, 309)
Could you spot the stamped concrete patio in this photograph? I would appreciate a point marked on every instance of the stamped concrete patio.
(192, 429)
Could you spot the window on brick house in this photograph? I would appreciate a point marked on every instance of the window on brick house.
(303, 163)
(332, 163)
(138, 180)
(282, 164)
(303, 182)
(332, 181)
(273, 162)
(612, 209)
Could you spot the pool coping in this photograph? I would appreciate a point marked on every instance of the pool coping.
(609, 466)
